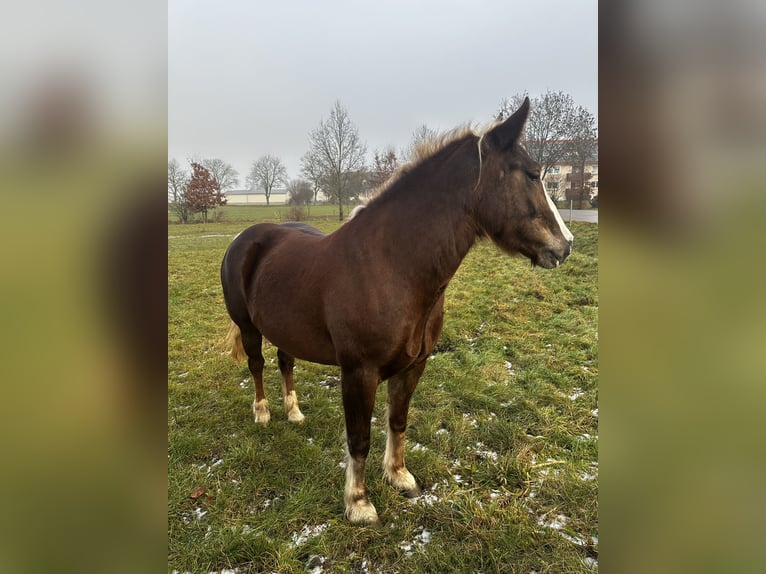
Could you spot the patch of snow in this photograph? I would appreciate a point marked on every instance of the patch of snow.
(442, 431)
(208, 468)
(484, 453)
(586, 476)
(329, 382)
(427, 499)
(422, 538)
(199, 513)
(319, 561)
(419, 446)
(245, 382)
(579, 540)
(577, 392)
(299, 538)
(558, 522)
(471, 420)
(592, 562)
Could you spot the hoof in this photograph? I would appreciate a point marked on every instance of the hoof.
(410, 492)
(261, 412)
(404, 482)
(363, 514)
(295, 416)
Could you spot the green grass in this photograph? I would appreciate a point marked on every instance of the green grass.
(257, 213)
(502, 436)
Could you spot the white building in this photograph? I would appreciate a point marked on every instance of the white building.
(255, 197)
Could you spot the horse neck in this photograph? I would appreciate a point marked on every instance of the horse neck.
(426, 220)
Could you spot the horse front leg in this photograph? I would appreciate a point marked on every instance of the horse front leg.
(290, 399)
(400, 389)
(358, 386)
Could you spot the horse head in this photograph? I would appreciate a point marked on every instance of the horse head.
(511, 205)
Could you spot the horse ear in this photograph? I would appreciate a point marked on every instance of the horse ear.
(506, 134)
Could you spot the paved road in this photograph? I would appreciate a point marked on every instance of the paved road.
(587, 215)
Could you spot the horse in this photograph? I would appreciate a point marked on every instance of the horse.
(369, 297)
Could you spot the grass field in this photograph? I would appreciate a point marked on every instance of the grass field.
(256, 213)
(503, 432)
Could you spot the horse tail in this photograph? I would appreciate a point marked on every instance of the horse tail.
(233, 342)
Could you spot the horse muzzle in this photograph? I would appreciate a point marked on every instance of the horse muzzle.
(553, 257)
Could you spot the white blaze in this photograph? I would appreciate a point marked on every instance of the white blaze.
(562, 226)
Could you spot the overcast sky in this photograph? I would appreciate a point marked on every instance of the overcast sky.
(250, 78)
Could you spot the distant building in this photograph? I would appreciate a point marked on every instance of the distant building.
(278, 196)
(564, 179)
(255, 197)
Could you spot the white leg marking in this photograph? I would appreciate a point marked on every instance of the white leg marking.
(359, 509)
(562, 226)
(261, 411)
(294, 414)
(394, 470)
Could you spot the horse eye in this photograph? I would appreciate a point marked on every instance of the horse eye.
(533, 176)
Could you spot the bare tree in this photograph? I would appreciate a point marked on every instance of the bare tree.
(311, 168)
(299, 192)
(582, 149)
(223, 173)
(267, 172)
(177, 180)
(384, 164)
(548, 128)
(339, 153)
(423, 134)
(554, 186)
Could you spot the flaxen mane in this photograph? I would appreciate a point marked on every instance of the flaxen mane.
(422, 151)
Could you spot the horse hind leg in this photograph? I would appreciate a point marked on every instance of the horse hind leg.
(400, 389)
(290, 399)
(251, 342)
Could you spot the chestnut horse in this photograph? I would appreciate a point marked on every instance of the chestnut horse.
(370, 296)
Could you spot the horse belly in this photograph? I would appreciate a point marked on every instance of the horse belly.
(293, 325)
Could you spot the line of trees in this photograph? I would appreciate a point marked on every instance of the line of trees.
(557, 130)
